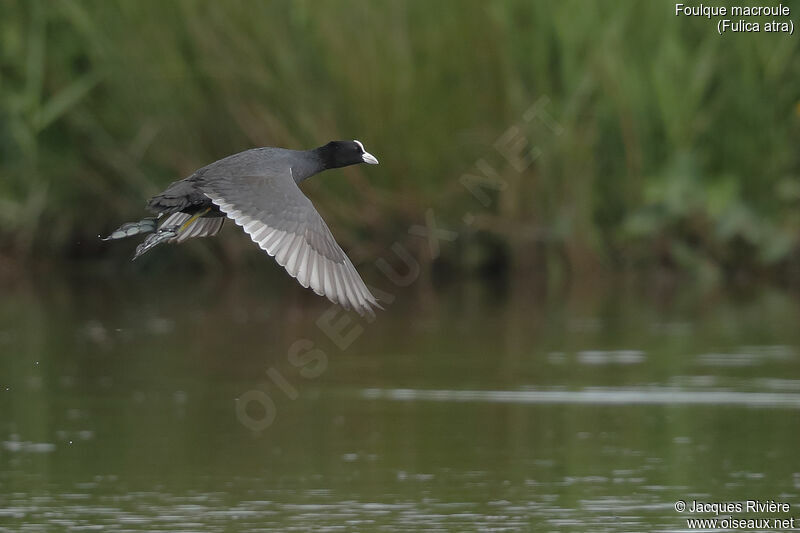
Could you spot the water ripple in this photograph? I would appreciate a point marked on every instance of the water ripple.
(602, 396)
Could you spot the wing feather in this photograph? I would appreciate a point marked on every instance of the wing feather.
(302, 266)
(277, 216)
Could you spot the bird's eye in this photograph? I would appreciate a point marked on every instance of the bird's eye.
(360, 146)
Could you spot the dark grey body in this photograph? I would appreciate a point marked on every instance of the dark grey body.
(187, 196)
(258, 190)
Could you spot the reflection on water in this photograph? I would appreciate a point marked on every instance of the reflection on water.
(580, 411)
(594, 396)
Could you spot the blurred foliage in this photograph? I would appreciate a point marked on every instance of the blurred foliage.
(663, 143)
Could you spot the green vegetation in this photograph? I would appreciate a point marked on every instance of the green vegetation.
(677, 146)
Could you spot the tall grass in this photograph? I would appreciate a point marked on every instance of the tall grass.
(679, 146)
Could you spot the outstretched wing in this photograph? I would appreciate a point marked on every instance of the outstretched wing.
(284, 223)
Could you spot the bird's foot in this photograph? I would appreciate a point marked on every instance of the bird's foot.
(129, 229)
(162, 235)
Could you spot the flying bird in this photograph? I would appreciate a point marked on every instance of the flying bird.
(258, 190)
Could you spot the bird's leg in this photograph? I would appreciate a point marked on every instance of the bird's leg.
(193, 218)
(166, 234)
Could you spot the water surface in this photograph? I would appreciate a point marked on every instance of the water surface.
(466, 409)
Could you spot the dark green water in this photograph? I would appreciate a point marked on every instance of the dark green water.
(455, 411)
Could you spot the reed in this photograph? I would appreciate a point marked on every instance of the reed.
(676, 146)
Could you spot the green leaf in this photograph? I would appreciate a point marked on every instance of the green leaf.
(63, 101)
